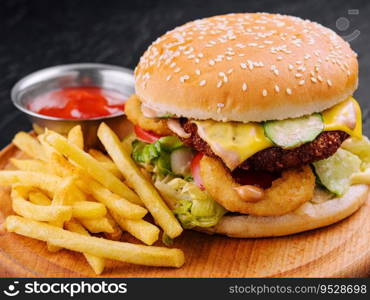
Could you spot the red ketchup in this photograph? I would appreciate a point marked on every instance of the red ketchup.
(78, 103)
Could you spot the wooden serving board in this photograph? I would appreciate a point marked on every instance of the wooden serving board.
(340, 250)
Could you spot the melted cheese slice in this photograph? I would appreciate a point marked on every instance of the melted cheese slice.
(345, 116)
(234, 142)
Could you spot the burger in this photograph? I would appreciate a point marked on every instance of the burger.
(246, 125)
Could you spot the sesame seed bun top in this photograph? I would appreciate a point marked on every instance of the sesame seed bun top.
(246, 67)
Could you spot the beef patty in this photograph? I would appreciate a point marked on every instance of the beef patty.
(275, 159)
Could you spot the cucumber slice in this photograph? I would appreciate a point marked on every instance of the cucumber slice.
(335, 172)
(291, 133)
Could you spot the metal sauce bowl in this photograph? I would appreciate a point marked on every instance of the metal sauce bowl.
(109, 77)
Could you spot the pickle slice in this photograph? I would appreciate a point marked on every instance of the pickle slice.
(335, 172)
(291, 133)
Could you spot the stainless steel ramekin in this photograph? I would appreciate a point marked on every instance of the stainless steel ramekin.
(85, 74)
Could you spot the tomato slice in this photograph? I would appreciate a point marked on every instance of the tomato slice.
(145, 135)
(195, 170)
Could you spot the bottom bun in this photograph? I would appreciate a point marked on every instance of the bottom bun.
(308, 216)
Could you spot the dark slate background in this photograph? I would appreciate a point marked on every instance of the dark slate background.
(35, 34)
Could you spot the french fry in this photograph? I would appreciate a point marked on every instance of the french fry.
(106, 162)
(145, 189)
(112, 201)
(29, 145)
(38, 198)
(31, 165)
(98, 225)
(75, 136)
(126, 252)
(95, 262)
(61, 166)
(99, 156)
(361, 177)
(48, 150)
(61, 197)
(142, 230)
(117, 233)
(111, 167)
(88, 210)
(81, 208)
(39, 212)
(23, 189)
(92, 166)
(68, 193)
(47, 182)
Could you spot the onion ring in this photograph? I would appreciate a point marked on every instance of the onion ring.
(286, 194)
(135, 115)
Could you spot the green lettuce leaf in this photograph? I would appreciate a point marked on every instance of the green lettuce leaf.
(192, 206)
(157, 154)
(335, 172)
(360, 147)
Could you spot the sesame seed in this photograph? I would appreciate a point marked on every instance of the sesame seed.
(244, 87)
(277, 88)
(243, 65)
(319, 78)
(298, 75)
(220, 105)
(202, 82)
(197, 71)
(219, 83)
(290, 67)
(329, 82)
(313, 79)
(301, 82)
(264, 92)
(177, 70)
(168, 77)
(289, 91)
(211, 62)
(276, 72)
(183, 78)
